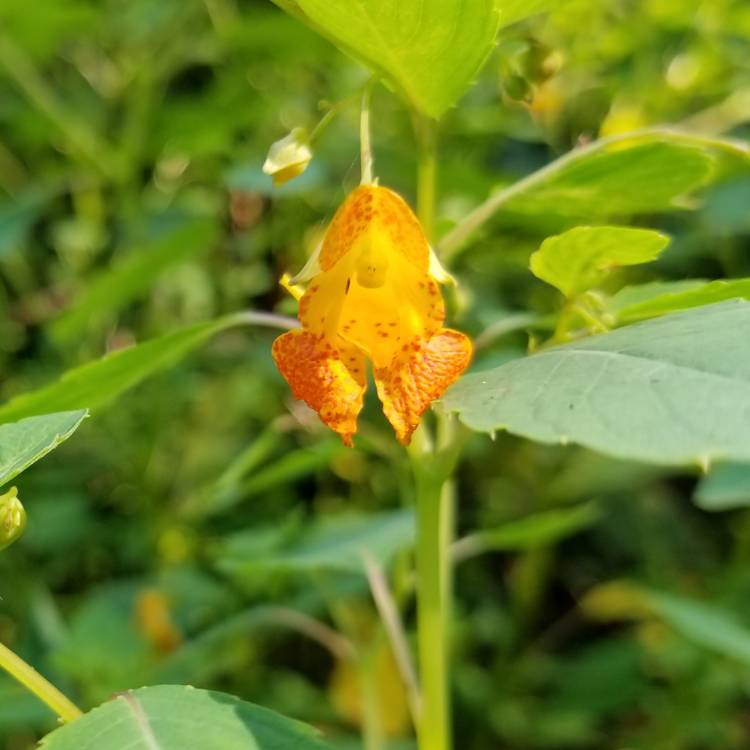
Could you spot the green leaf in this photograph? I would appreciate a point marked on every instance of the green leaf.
(176, 717)
(630, 296)
(674, 390)
(133, 275)
(429, 50)
(618, 176)
(97, 382)
(25, 442)
(633, 178)
(332, 544)
(580, 258)
(727, 486)
(512, 11)
(628, 307)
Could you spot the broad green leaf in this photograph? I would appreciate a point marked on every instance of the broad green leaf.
(177, 717)
(618, 176)
(97, 382)
(429, 50)
(133, 275)
(333, 544)
(725, 487)
(537, 530)
(642, 176)
(692, 294)
(25, 442)
(512, 11)
(707, 625)
(580, 258)
(673, 390)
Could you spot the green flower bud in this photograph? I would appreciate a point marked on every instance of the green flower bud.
(12, 518)
(288, 157)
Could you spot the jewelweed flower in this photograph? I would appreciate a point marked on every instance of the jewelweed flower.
(372, 295)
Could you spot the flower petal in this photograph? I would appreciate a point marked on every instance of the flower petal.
(330, 381)
(369, 208)
(380, 320)
(418, 375)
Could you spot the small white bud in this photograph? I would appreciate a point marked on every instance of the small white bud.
(288, 158)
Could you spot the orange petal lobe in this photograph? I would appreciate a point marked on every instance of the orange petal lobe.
(418, 375)
(330, 381)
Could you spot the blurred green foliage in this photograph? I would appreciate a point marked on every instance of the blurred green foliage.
(171, 539)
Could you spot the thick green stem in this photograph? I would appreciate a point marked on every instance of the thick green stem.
(33, 681)
(433, 464)
(434, 533)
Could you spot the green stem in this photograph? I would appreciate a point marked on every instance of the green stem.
(424, 129)
(33, 681)
(433, 462)
(335, 109)
(434, 532)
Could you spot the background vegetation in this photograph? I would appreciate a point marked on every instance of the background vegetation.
(182, 532)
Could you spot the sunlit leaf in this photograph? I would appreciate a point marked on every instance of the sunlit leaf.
(618, 176)
(175, 717)
(429, 50)
(581, 258)
(512, 11)
(25, 442)
(673, 390)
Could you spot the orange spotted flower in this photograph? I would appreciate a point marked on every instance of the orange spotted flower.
(372, 294)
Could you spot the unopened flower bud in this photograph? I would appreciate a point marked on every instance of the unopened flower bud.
(12, 518)
(288, 158)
